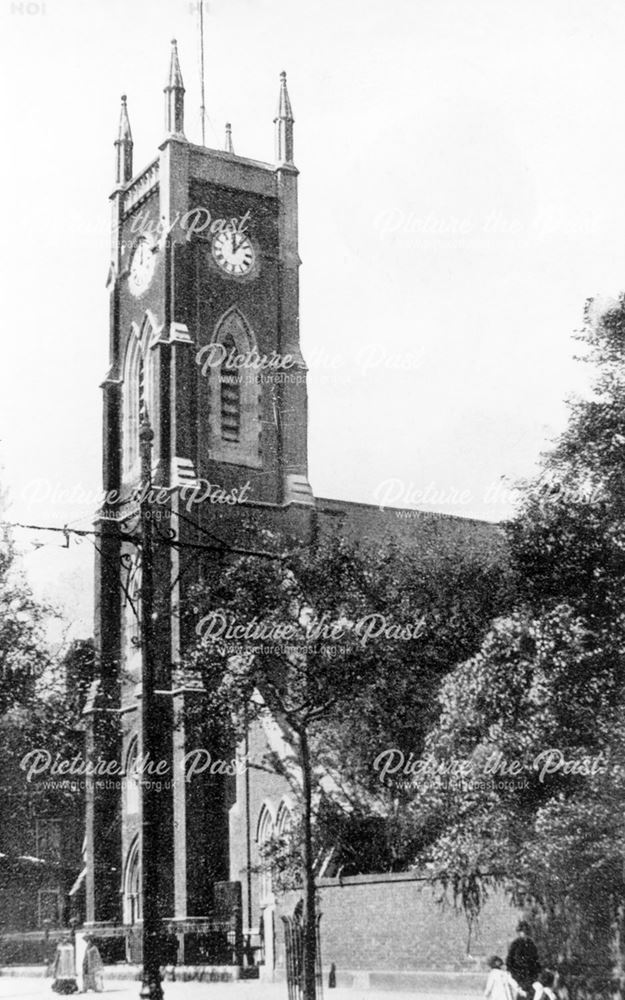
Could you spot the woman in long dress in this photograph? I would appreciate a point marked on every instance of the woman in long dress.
(92, 968)
(64, 968)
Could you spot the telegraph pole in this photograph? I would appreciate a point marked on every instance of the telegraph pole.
(151, 988)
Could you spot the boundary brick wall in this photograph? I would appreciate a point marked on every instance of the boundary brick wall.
(396, 922)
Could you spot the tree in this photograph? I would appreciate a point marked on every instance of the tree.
(24, 655)
(39, 716)
(547, 690)
(342, 644)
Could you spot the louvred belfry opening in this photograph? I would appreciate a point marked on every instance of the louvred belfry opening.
(230, 386)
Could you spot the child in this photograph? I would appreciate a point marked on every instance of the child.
(64, 968)
(92, 968)
(543, 987)
(500, 985)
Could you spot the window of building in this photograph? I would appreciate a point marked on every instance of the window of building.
(133, 907)
(234, 392)
(49, 907)
(132, 779)
(264, 835)
(133, 602)
(132, 402)
(48, 837)
(130, 597)
(284, 819)
(135, 398)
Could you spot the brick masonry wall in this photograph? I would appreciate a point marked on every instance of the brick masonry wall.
(395, 922)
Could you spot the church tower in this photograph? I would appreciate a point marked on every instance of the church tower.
(204, 343)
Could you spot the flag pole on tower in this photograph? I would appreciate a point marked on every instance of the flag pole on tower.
(202, 99)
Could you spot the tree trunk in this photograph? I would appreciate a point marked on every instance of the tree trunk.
(310, 915)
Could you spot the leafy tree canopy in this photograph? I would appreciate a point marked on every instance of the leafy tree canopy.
(546, 690)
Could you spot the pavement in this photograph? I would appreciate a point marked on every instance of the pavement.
(25, 988)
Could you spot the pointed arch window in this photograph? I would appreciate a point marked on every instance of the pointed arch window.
(132, 405)
(133, 902)
(284, 819)
(130, 596)
(234, 392)
(264, 834)
(135, 400)
(131, 782)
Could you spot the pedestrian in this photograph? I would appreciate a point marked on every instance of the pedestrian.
(544, 986)
(64, 968)
(92, 968)
(500, 985)
(169, 947)
(522, 962)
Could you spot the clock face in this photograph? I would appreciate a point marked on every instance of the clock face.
(142, 267)
(233, 252)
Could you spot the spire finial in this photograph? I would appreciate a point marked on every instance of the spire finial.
(284, 105)
(229, 148)
(124, 122)
(175, 75)
(284, 124)
(123, 147)
(174, 95)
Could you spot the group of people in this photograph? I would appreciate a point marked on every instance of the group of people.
(64, 968)
(523, 977)
(78, 967)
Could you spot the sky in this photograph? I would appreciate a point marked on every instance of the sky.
(461, 196)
